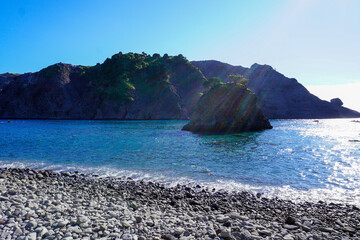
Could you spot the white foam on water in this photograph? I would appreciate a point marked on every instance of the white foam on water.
(330, 194)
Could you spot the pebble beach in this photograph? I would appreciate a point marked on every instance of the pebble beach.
(44, 204)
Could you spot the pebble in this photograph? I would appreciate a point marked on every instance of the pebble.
(2, 198)
(349, 229)
(62, 223)
(31, 236)
(288, 237)
(42, 231)
(125, 224)
(178, 231)
(17, 231)
(290, 220)
(168, 237)
(225, 233)
(31, 225)
(150, 223)
(126, 236)
(265, 232)
(82, 219)
(222, 218)
(326, 229)
(138, 219)
(243, 235)
(235, 215)
(290, 227)
(306, 228)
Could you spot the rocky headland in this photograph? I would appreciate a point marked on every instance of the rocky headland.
(125, 86)
(42, 204)
(142, 86)
(280, 97)
(227, 108)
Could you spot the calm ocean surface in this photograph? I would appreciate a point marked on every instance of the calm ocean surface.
(297, 160)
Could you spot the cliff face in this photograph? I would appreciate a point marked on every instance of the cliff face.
(227, 108)
(279, 97)
(140, 86)
(5, 79)
(55, 92)
(127, 86)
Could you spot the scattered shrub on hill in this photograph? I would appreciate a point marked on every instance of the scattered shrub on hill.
(239, 79)
(212, 82)
(82, 69)
(50, 71)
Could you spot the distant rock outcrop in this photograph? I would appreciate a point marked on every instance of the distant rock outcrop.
(227, 108)
(337, 102)
(279, 97)
(125, 86)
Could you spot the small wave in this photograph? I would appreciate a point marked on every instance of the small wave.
(333, 194)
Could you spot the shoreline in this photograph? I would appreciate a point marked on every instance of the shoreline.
(43, 204)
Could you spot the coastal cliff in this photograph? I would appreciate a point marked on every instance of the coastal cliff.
(279, 97)
(125, 86)
(141, 86)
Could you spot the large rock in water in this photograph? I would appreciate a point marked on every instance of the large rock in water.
(227, 108)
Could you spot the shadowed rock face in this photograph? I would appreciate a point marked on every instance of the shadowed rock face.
(337, 102)
(227, 108)
(161, 88)
(5, 79)
(58, 91)
(279, 97)
(55, 92)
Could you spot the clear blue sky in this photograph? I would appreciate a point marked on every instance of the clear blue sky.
(315, 41)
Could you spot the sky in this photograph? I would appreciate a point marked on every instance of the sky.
(315, 41)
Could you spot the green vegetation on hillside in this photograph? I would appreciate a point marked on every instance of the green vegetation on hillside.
(50, 70)
(212, 82)
(215, 81)
(122, 75)
(82, 69)
(13, 74)
(239, 79)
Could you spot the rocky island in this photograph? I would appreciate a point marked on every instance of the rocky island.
(227, 108)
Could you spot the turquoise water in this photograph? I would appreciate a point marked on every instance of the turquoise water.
(297, 159)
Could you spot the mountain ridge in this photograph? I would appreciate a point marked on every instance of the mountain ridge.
(279, 97)
(140, 86)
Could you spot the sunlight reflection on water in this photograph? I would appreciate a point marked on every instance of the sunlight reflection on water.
(298, 159)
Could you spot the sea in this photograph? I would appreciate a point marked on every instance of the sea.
(298, 160)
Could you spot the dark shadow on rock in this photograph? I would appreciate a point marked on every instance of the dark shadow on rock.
(227, 108)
